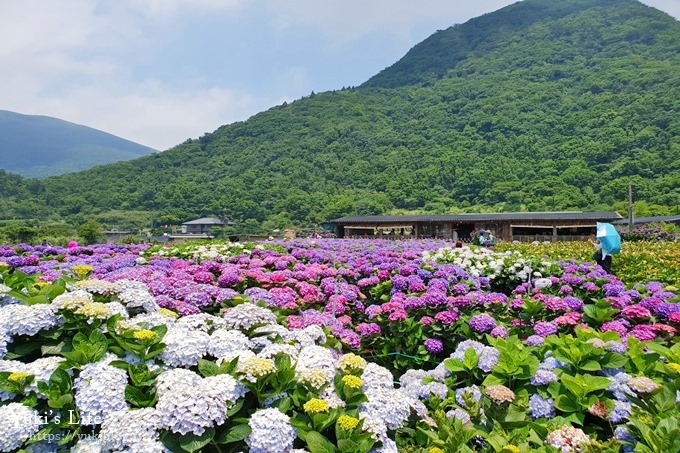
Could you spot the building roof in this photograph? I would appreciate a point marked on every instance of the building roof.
(508, 216)
(653, 219)
(205, 221)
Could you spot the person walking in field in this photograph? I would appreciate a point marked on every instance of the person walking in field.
(601, 257)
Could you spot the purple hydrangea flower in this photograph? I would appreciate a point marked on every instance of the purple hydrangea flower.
(574, 303)
(482, 323)
(368, 329)
(545, 328)
(373, 310)
(535, 340)
(654, 287)
(434, 346)
(460, 289)
(566, 290)
(447, 317)
(590, 287)
(499, 332)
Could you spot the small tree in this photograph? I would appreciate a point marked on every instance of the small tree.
(20, 233)
(91, 231)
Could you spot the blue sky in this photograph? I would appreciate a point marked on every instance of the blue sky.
(161, 71)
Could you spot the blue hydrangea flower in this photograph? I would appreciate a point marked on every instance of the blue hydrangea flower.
(543, 377)
(620, 412)
(540, 407)
(470, 393)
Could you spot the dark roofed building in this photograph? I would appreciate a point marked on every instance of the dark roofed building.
(202, 225)
(508, 226)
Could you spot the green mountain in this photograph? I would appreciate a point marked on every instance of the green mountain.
(542, 105)
(39, 146)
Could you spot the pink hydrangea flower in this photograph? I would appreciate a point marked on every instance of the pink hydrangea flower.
(636, 312)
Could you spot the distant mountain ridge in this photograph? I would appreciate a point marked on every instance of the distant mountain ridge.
(39, 146)
(544, 105)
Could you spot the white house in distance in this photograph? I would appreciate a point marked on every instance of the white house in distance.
(202, 226)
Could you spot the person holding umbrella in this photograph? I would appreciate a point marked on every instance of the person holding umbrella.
(607, 243)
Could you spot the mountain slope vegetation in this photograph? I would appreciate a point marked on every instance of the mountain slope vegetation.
(541, 105)
(39, 146)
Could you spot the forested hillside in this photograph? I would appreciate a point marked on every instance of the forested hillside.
(542, 105)
(39, 146)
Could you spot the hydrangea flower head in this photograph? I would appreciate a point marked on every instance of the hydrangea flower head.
(270, 432)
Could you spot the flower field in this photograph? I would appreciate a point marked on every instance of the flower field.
(337, 346)
(638, 262)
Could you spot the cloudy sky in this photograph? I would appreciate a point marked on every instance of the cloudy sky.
(161, 71)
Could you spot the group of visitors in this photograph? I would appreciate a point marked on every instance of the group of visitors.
(486, 238)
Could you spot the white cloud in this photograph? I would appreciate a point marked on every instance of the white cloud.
(170, 8)
(150, 112)
(350, 20)
(63, 59)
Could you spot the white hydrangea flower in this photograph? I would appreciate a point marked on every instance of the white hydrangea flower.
(330, 396)
(259, 343)
(146, 446)
(309, 336)
(388, 446)
(245, 316)
(316, 357)
(28, 320)
(175, 377)
(124, 285)
(271, 432)
(42, 369)
(223, 341)
(95, 286)
(275, 349)
(136, 296)
(542, 283)
(412, 377)
(225, 387)
(100, 391)
(184, 347)
(72, 300)
(4, 289)
(125, 428)
(4, 340)
(87, 445)
(374, 425)
(145, 321)
(189, 403)
(254, 368)
(201, 321)
(272, 331)
(17, 424)
(243, 355)
(315, 366)
(376, 377)
(392, 406)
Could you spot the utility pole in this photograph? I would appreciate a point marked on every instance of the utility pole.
(630, 207)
